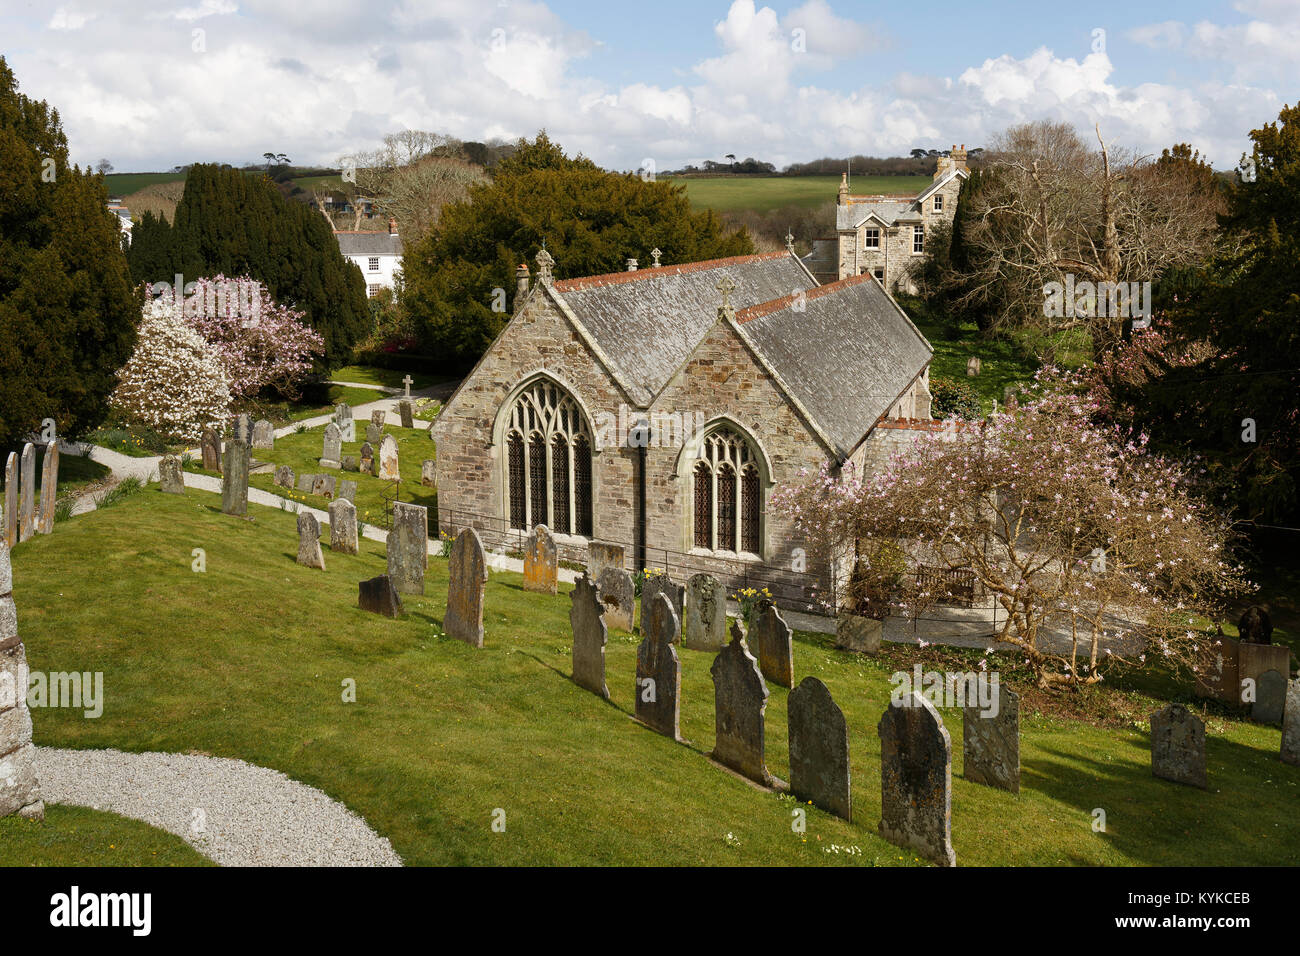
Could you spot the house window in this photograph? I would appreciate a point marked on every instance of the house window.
(372, 290)
(938, 202)
(871, 239)
(374, 263)
(918, 239)
(548, 475)
(880, 275)
(727, 506)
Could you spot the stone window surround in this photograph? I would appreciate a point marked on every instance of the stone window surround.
(685, 474)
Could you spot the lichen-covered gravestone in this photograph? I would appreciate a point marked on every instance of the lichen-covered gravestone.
(406, 413)
(378, 417)
(819, 749)
(347, 425)
(234, 479)
(11, 500)
(602, 555)
(306, 483)
(1270, 698)
(27, 509)
(769, 640)
(467, 575)
(343, 526)
(853, 632)
(705, 625)
(1291, 725)
(50, 488)
(366, 462)
(309, 552)
(429, 473)
(658, 672)
(739, 703)
(349, 463)
(386, 465)
(323, 485)
(374, 434)
(19, 790)
(1178, 746)
(211, 450)
(618, 594)
(991, 741)
(284, 476)
(263, 434)
(169, 475)
(408, 547)
(378, 596)
(541, 562)
(662, 584)
(348, 490)
(916, 779)
(589, 637)
(243, 430)
(332, 449)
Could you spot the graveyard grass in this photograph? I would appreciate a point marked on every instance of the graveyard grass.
(248, 660)
(79, 836)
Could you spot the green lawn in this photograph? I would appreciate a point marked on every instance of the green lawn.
(247, 660)
(373, 375)
(79, 836)
(765, 193)
(123, 184)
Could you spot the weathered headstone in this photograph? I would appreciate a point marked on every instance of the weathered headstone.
(916, 779)
(306, 483)
(408, 547)
(541, 561)
(366, 462)
(618, 594)
(169, 475)
(349, 463)
(348, 490)
(378, 417)
(819, 749)
(19, 790)
(991, 742)
(347, 425)
(386, 465)
(853, 632)
(263, 434)
(309, 552)
(705, 624)
(234, 479)
(49, 488)
(662, 584)
(1291, 725)
(602, 555)
(1255, 625)
(1178, 746)
(407, 414)
(589, 637)
(323, 485)
(739, 702)
(27, 508)
(770, 641)
(1270, 698)
(211, 450)
(243, 430)
(332, 447)
(343, 526)
(11, 500)
(467, 574)
(429, 473)
(1217, 672)
(1255, 660)
(374, 434)
(658, 672)
(284, 476)
(378, 596)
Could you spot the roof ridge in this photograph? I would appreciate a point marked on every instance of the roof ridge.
(615, 278)
(776, 305)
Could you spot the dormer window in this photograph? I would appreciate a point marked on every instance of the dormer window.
(938, 202)
(871, 238)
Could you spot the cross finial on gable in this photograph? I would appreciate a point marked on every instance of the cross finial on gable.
(726, 287)
(656, 253)
(789, 240)
(544, 263)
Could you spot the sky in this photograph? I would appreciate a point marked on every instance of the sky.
(656, 85)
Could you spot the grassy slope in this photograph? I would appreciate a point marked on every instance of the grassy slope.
(247, 659)
(373, 375)
(123, 184)
(765, 193)
(79, 836)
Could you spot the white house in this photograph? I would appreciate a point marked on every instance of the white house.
(377, 254)
(123, 217)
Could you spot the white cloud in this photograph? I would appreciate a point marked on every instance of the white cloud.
(65, 18)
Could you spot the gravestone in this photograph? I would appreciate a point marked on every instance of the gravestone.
(19, 790)
(378, 417)
(618, 594)
(366, 461)
(378, 596)
(306, 483)
(662, 584)
(429, 473)
(602, 555)
(1217, 674)
(1270, 698)
(541, 562)
(343, 526)
(991, 743)
(1178, 746)
(739, 702)
(323, 485)
(234, 479)
(49, 488)
(374, 434)
(658, 672)
(853, 632)
(243, 430)
(819, 749)
(27, 491)
(263, 434)
(284, 476)
(408, 547)
(169, 475)
(211, 448)
(332, 449)
(349, 463)
(11, 500)
(348, 490)
(467, 575)
(386, 465)
(1255, 660)
(407, 414)
(770, 641)
(589, 637)
(309, 552)
(916, 779)
(1255, 626)
(347, 425)
(705, 624)
(1291, 725)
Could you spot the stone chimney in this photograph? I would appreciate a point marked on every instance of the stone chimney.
(392, 226)
(959, 156)
(631, 265)
(843, 199)
(521, 282)
(945, 163)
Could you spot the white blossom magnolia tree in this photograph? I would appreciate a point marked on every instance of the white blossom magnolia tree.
(1067, 526)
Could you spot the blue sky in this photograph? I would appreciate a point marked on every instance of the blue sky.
(673, 82)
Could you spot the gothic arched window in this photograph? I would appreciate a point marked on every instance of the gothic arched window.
(548, 475)
(727, 506)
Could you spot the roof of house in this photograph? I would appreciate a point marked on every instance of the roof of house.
(369, 244)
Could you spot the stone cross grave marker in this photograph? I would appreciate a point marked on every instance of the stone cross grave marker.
(309, 552)
(263, 434)
(386, 464)
(408, 547)
(1291, 725)
(407, 382)
(20, 791)
(916, 779)
(770, 641)
(1178, 746)
(662, 584)
(378, 596)
(819, 749)
(541, 562)
(589, 637)
(169, 475)
(739, 702)
(658, 672)
(1270, 698)
(347, 425)
(467, 573)
(343, 526)
(27, 509)
(618, 594)
(332, 449)
(49, 488)
(234, 479)
(211, 448)
(991, 742)
(705, 626)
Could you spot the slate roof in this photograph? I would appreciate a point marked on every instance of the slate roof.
(649, 321)
(369, 244)
(845, 358)
(888, 208)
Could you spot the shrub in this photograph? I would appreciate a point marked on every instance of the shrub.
(951, 397)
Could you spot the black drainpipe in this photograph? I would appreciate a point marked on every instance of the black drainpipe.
(641, 502)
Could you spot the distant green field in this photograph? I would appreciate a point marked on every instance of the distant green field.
(765, 193)
(123, 184)
(330, 182)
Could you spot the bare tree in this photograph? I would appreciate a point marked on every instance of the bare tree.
(104, 167)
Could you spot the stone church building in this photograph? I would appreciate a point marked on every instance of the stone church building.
(660, 408)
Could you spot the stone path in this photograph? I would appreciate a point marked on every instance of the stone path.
(233, 812)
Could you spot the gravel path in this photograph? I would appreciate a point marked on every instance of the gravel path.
(235, 813)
